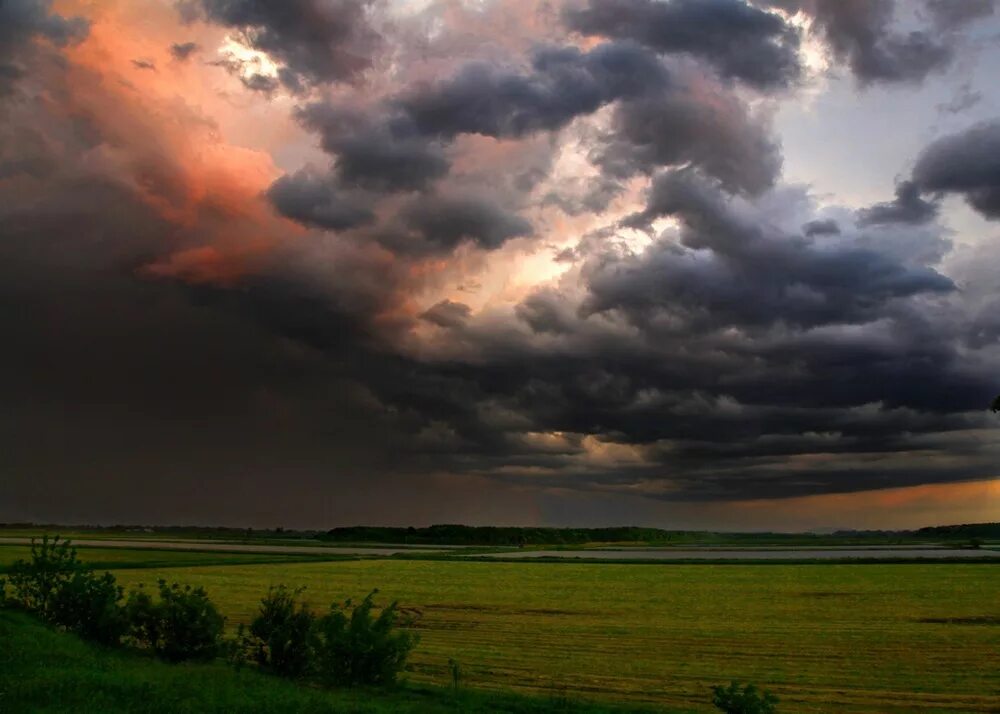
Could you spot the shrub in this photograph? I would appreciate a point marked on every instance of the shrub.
(736, 699)
(34, 583)
(90, 605)
(282, 636)
(183, 624)
(354, 647)
(56, 585)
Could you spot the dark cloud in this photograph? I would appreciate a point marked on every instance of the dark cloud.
(741, 41)
(710, 129)
(908, 207)
(22, 20)
(563, 83)
(757, 347)
(315, 41)
(726, 272)
(860, 33)
(265, 84)
(966, 163)
(447, 314)
(442, 222)
(952, 14)
(144, 64)
(314, 198)
(182, 51)
(382, 153)
(821, 227)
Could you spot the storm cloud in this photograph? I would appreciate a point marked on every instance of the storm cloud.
(741, 41)
(862, 35)
(967, 164)
(315, 41)
(390, 257)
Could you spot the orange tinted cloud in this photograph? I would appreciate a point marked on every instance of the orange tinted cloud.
(164, 136)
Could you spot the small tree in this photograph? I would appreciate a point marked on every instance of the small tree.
(282, 636)
(183, 624)
(354, 647)
(34, 583)
(736, 699)
(90, 605)
(996, 405)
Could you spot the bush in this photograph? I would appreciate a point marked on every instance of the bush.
(35, 583)
(56, 585)
(354, 647)
(735, 699)
(90, 606)
(182, 625)
(283, 634)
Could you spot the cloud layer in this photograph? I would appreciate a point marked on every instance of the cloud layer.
(513, 253)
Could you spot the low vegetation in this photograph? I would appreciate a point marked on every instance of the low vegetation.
(43, 671)
(180, 624)
(349, 645)
(743, 699)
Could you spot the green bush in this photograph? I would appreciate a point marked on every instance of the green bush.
(354, 647)
(35, 583)
(182, 625)
(282, 636)
(736, 699)
(90, 605)
(57, 586)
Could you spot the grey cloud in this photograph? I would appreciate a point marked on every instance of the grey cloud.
(679, 127)
(861, 34)
(443, 222)
(952, 14)
(821, 227)
(447, 314)
(727, 272)
(741, 41)
(563, 83)
(966, 163)
(315, 41)
(378, 152)
(908, 207)
(964, 99)
(262, 83)
(21, 20)
(314, 198)
(183, 50)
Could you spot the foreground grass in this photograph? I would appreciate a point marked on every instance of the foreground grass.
(42, 670)
(824, 638)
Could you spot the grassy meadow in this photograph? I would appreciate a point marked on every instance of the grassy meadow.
(825, 638)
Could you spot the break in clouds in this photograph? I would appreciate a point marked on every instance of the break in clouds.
(490, 248)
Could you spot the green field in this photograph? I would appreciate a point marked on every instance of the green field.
(825, 638)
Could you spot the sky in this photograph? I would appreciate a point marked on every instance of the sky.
(719, 264)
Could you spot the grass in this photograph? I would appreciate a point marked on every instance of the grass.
(44, 671)
(844, 638)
